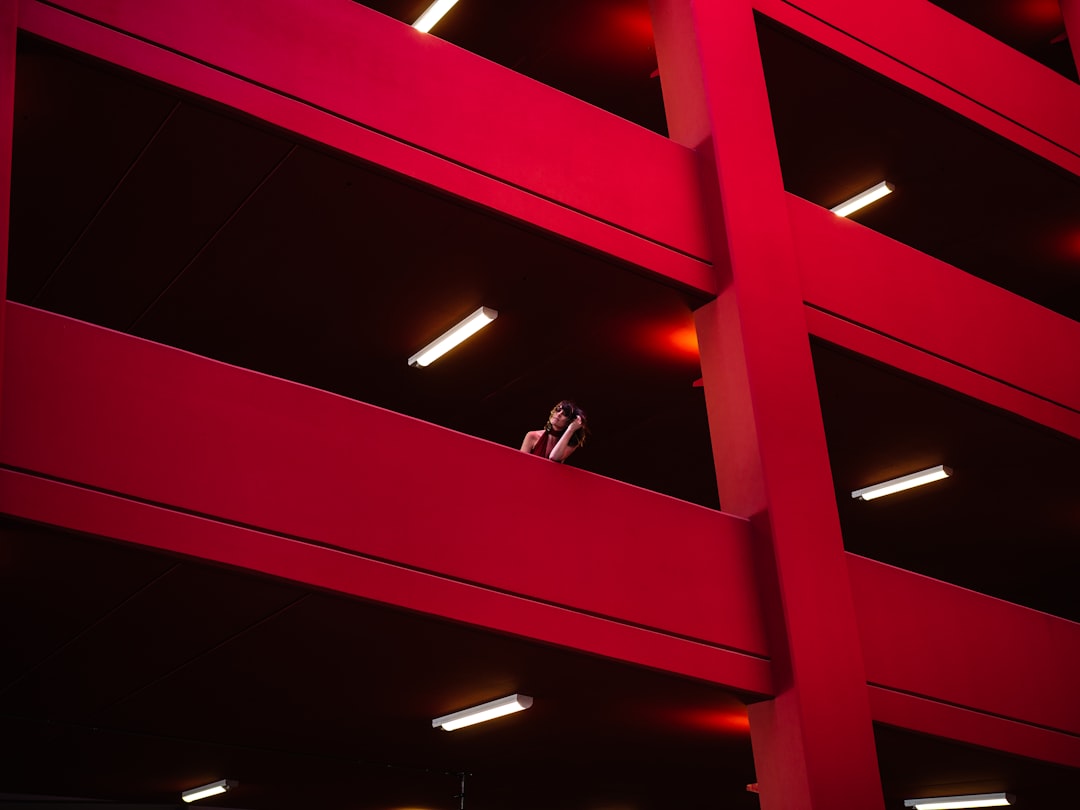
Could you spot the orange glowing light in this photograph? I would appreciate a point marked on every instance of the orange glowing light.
(684, 340)
(672, 339)
(733, 720)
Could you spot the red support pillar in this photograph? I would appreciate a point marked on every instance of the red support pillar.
(1070, 11)
(813, 743)
(9, 17)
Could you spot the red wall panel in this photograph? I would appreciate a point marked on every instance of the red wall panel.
(384, 92)
(851, 271)
(105, 410)
(79, 509)
(966, 649)
(8, 32)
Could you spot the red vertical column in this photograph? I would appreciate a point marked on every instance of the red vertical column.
(1070, 10)
(8, 33)
(813, 743)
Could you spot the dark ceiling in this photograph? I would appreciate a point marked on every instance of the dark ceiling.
(144, 210)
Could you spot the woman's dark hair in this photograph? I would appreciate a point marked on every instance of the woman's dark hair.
(571, 411)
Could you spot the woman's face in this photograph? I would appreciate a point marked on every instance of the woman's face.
(558, 419)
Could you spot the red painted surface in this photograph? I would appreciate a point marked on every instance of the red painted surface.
(79, 509)
(813, 744)
(916, 44)
(383, 92)
(688, 123)
(967, 650)
(199, 458)
(8, 32)
(408, 160)
(851, 271)
(780, 763)
(727, 400)
(105, 410)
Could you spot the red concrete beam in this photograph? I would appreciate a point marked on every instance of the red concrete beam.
(356, 80)
(966, 665)
(146, 422)
(923, 47)
(813, 744)
(8, 33)
(850, 271)
(77, 508)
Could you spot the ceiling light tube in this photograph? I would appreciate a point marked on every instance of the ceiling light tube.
(863, 199)
(485, 711)
(916, 479)
(206, 791)
(426, 21)
(464, 330)
(961, 802)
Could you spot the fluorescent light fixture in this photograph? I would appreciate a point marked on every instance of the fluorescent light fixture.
(961, 802)
(485, 711)
(464, 330)
(206, 791)
(426, 21)
(863, 199)
(915, 479)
